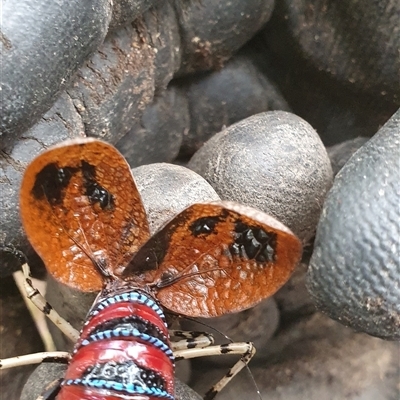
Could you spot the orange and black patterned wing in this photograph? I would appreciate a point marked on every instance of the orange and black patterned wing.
(216, 258)
(80, 208)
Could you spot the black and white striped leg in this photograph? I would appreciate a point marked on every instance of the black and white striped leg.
(40, 302)
(191, 340)
(245, 349)
(36, 297)
(51, 391)
(35, 358)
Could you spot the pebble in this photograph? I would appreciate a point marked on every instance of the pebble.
(221, 98)
(273, 161)
(211, 32)
(50, 130)
(158, 135)
(354, 271)
(167, 189)
(36, 36)
(340, 153)
(314, 359)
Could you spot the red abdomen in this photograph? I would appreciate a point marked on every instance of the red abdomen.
(123, 352)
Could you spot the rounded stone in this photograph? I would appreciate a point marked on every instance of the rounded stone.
(52, 128)
(354, 271)
(316, 358)
(212, 31)
(340, 153)
(273, 161)
(293, 300)
(221, 98)
(113, 88)
(167, 189)
(158, 135)
(42, 46)
(125, 11)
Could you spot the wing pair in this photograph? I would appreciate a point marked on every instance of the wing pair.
(84, 216)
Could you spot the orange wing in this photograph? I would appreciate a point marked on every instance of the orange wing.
(216, 258)
(80, 207)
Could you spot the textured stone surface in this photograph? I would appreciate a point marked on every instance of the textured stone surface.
(293, 299)
(111, 91)
(158, 136)
(337, 64)
(212, 31)
(273, 161)
(167, 189)
(125, 11)
(340, 153)
(42, 46)
(315, 358)
(221, 98)
(61, 122)
(354, 272)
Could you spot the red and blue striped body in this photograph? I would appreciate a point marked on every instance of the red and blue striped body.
(123, 351)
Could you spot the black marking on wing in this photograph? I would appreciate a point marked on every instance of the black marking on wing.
(254, 243)
(93, 190)
(51, 181)
(204, 225)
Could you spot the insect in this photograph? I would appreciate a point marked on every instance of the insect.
(83, 215)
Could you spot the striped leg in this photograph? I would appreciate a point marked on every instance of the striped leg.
(189, 348)
(35, 358)
(40, 302)
(191, 340)
(36, 297)
(51, 391)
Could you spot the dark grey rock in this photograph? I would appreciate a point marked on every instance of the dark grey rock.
(212, 31)
(121, 79)
(293, 300)
(317, 358)
(42, 46)
(125, 11)
(273, 161)
(340, 153)
(336, 64)
(61, 122)
(158, 136)
(221, 98)
(354, 272)
(167, 189)
(164, 35)
(43, 375)
(71, 304)
(111, 91)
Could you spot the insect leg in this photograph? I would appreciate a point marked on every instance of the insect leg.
(191, 340)
(245, 349)
(35, 358)
(40, 302)
(51, 390)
